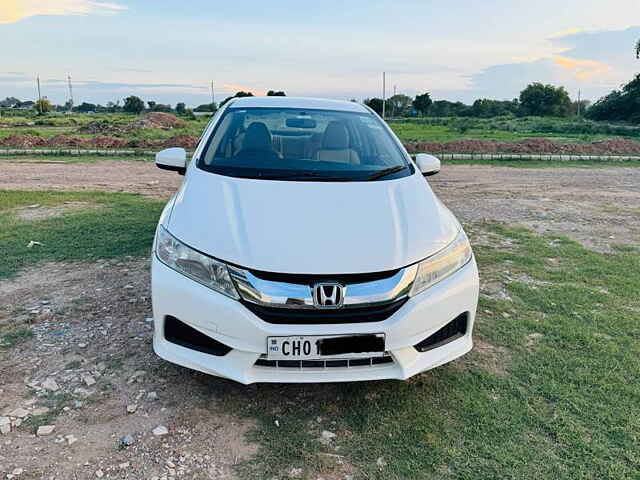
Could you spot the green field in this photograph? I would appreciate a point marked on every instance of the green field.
(550, 391)
(437, 129)
(509, 129)
(53, 125)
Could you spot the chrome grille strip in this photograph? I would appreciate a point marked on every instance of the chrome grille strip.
(295, 295)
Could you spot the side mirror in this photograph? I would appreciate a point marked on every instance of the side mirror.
(174, 159)
(427, 164)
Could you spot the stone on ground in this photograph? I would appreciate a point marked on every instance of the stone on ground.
(45, 430)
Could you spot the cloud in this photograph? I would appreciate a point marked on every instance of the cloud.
(610, 46)
(582, 69)
(132, 70)
(594, 62)
(233, 87)
(15, 10)
(564, 33)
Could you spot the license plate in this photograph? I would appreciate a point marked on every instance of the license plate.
(328, 346)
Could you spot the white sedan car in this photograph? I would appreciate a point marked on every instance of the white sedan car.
(305, 245)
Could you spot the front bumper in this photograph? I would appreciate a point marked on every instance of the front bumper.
(228, 321)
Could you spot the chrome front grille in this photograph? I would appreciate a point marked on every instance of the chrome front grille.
(295, 291)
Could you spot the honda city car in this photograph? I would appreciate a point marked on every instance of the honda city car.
(306, 245)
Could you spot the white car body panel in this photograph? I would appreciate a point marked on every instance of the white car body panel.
(312, 227)
(229, 322)
(309, 228)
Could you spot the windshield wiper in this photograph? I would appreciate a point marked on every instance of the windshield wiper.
(386, 171)
(303, 176)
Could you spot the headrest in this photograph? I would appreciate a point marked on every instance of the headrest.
(335, 137)
(257, 137)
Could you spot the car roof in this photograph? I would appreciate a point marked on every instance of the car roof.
(298, 102)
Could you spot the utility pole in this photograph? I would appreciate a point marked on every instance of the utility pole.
(213, 98)
(384, 93)
(70, 93)
(393, 105)
(579, 105)
(39, 104)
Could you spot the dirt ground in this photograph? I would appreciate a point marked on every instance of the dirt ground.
(89, 368)
(599, 207)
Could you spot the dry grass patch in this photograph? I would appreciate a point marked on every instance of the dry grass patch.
(37, 212)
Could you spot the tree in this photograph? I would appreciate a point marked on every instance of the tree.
(237, 95)
(445, 108)
(621, 105)
(487, 108)
(399, 104)
(113, 107)
(638, 49)
(272, 93)
(422, 103)
(133, 104)
(86, 107)
(374, 104)
(206, 107)
(545, 100)
(151, 104)
(180, 108)
(9, 102)
(161, 107)
(43, 106)
(579, 107)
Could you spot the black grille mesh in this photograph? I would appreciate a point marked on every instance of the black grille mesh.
(302, 316)
(313, 364)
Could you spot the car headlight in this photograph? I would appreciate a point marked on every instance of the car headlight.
(205, 270)
(439, 266)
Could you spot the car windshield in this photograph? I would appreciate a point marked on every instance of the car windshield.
(299, 144)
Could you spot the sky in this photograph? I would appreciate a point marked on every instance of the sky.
(170, 51)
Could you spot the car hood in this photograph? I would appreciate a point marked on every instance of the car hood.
(311, 227)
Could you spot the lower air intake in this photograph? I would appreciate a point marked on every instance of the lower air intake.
(182, 334)
(451, 331)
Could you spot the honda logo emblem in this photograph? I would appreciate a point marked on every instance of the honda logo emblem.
(328, 295)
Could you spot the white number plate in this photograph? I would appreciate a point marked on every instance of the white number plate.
(329, 346)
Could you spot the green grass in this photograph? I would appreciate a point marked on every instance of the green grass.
(14, 336)
(113, 224)
(74, 158)
(509, 129)
(52, 125)
(519, 163)
(556, 397)
(430, 129)
(416, 132)
(55, 402)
